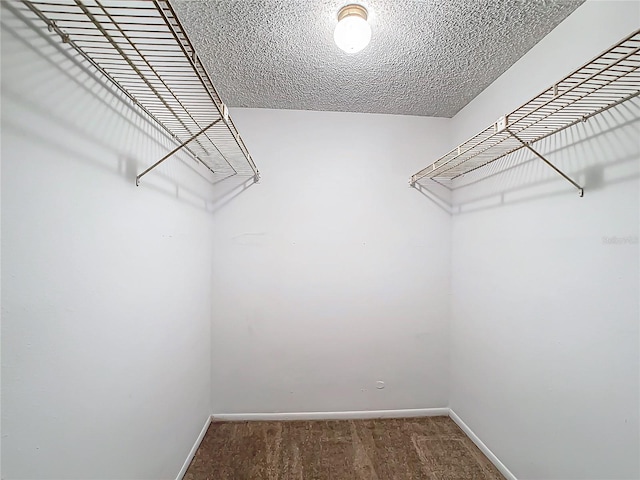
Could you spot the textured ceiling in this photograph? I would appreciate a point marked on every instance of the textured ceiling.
(426, 57)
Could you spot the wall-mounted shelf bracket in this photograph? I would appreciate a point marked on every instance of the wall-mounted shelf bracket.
(175, 150)
(541, 157)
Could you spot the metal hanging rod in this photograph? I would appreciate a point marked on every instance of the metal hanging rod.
(141, 47)
(608, 80)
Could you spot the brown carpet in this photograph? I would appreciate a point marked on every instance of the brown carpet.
(431, 448)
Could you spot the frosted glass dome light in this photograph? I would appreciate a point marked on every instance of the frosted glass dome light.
(352, 32)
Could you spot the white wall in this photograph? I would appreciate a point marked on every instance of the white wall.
(331, 273)
(106, 286)
(544, 356)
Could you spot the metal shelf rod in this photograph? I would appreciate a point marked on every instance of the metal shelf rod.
(175, 150)
(557, 170)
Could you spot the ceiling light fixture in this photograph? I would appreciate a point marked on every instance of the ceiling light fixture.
(352, 32)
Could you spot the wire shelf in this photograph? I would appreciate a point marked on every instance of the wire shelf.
(606, 81)
(141, 47)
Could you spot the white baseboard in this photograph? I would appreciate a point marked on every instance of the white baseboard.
(488, 453)
(357, 414)
(194, 449)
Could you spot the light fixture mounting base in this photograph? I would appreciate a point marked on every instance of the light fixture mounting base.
(352, 9)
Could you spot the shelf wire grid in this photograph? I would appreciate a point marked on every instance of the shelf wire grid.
(142, 48)
(606, 81)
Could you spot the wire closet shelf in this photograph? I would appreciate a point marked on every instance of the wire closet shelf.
(142, 48)
(606, 81)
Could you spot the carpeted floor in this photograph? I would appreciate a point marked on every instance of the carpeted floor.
(431, 448)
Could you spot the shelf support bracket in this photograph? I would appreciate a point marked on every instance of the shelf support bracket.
(182, 145)
(556, 169)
